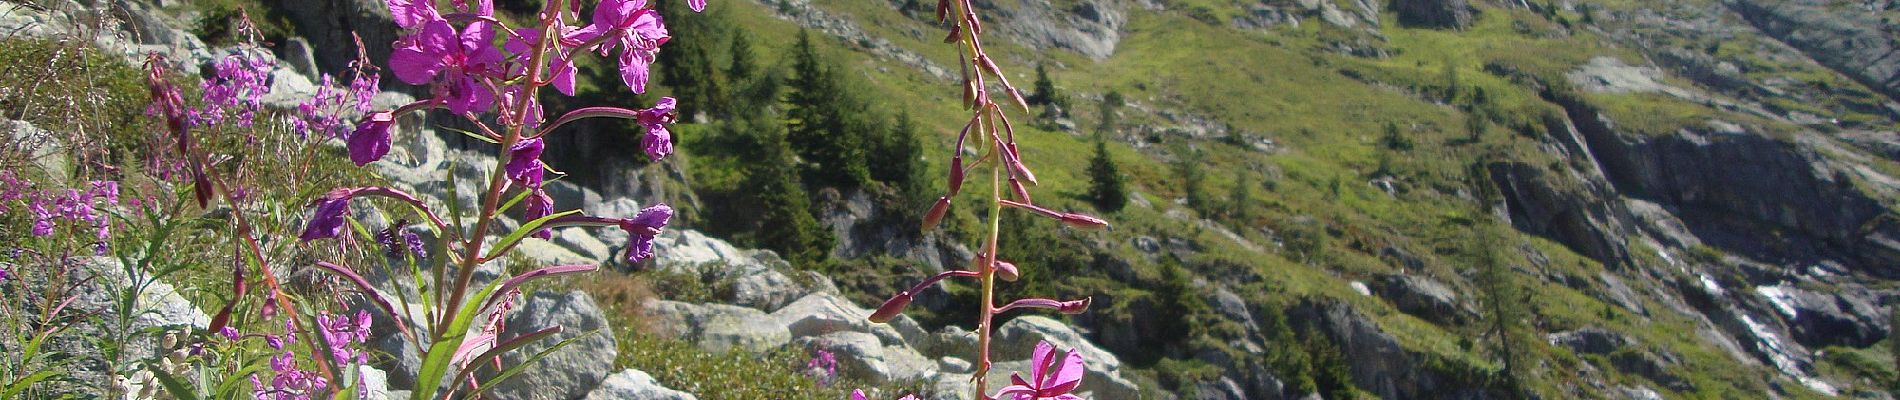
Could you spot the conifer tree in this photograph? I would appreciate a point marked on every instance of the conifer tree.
(780, 209)
(1240, 200)
(898, 155)
(1111, 103)
(1193, 180)
(743, 65)
(1106, 183)
(1045, 90)
(825, 124)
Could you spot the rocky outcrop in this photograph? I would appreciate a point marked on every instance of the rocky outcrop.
(1451, 14)
(1089, 27)
(571, 371)
(329, 26)
(1379, 364)
(1848, 39)
(635, 384)
(1425, 298)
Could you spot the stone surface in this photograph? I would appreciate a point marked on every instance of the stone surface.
(717, 328)
(1425, 298)
(635, 384)
(1454, 14)
(866, 356)
(1017, 339)
(1590, 340)
(567, 373)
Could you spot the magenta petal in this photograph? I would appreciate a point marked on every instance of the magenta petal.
(413, 66)
(477, 35)
(1066, 376)
(469, 95)
(524, 162)
(654, 217)
(564, 77)
(327, 222)
(1039, 362)
(659, 142)
(370, 141)
(857, 394)
(633, 69)
(409, 13)
(539, 205)
(696, 5)
(1012, 391)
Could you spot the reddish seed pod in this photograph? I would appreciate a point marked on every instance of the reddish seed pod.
(1074, 306)
(943, 10)
(956, 33)
(891, 308)
(1021, 192)
(935, 215)
(956, 173)
(1082, 221)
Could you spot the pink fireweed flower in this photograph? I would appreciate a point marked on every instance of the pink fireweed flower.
(237, 85)
(561, 65)
(636, 29)
(410, 14)
(696, 5)
(328, 220)
(1047, 379)
(538, 205)
(459, 59)
(659, 142)
(524, 163)
(370, 141)
(641, 230)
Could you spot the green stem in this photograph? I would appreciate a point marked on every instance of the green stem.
(987, 263)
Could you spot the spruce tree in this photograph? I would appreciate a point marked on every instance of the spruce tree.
(1111, 102)
(1045, 90)
(1193, 180)
(743, 65)
(825, 125)
(898, 155)
(1240, 200)
(1105, 180)
(780, 209)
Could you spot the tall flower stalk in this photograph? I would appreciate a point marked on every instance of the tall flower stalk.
(496, 89)
(990, 130)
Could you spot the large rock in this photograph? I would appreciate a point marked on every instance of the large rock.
(1590, 340)
(1455, 14)
(1425, 298)
(717, 328)
(1852, 40)
(1090, 27)
(156, 309)
(329, 27)
(567, 373)
(867, 357)
(635, 384)
(1849, 317)
(1017, 339)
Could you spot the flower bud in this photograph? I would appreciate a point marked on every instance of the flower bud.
(1082, 221)
(956, 173)
(1074, 306)
(891, 308)
(1017, 187)
(935, 215)
(1007, 271)
(169, 341)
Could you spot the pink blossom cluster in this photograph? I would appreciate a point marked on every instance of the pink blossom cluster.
(50, 207)
(823, 366)
(237, 86)
(291, 381)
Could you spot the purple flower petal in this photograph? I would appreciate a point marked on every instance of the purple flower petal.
(327, 222)
(539, 204)
(696, 5)
(370, 142)
(409, 13)
(524, 162)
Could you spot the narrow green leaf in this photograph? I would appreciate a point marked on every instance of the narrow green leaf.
(27, 382)
(523, 231)
(178, 390)
(512, 371)
(477, 136)
(435, 364)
